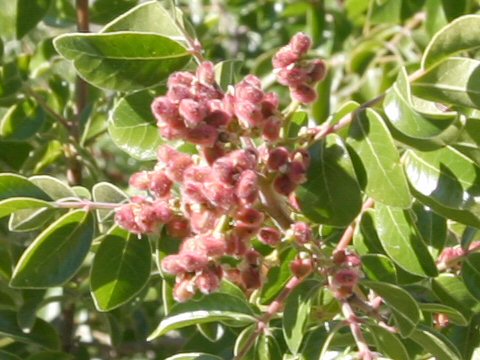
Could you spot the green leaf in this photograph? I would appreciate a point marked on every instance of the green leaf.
(121, 269)
(12, 185)
(471, 273)
(446, 176)
(436, 344)
(404, 307)
(296, 313)
(432, 227)
(454, 315)
(402, 241)
(388, 343)
(8, 356)
(133, 128)
(29, 14)
(455, 81)
(417, 118)
(123, 61)
(242, 339)
(370, 138)
(107, 193)
(378, 267)
(452, 291)
(150, 16)
(9, 206)
(103, 11)
(42, 333)
(227, 72)
(462, 34)
(50, 355)
(331, 194)
(27, 312)
(193, 356)
(55, 188)
(213, 307)
(365, 238)
(22, 121)
(298, 120)
(57, 253)
(277, 277)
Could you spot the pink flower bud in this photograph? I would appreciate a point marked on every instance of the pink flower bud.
(270, 104)
(245, 159)
(176, 162)
(236, 243)
(302, 232)
(163, 214)
(302, 155)
(272, 128)
(292, 77)
(253, 257)
(160, 184)
(450, 255)
(212, 154)
(180, 78)
(270, 236)
(247, 187)
(346, 278)
(253, 80)
(140, 180)
(206, 73)
(193, 261)
(224, 170)
(283, 185)
(301, 267)
(251, 278)
(249, 218)
(284, 57)
(193, 112)
(125, 217)
(220, 195)
(207, 282)
(178, 227)
(218, 116)
(163, 109)
(214, 245)
(249, 114)
(247, 92)
(303, 93)
(203, 220)
(173, 132)
(277, 158)
(300, 43)
(206, 92)
(171, 264)
(203, 134)
(297, 172)
(179, 92)
(184, 290)
(318, 71)
(194, 192)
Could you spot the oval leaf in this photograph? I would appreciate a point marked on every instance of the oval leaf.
(9, 206)
(133, 128)
(12, 185)
(378, 267)
(121, 269)
(22, 121)
(402, 241)
(213, 307)
(389, 343)
(331, 194)
(462, 34)
(471, 273)
(404, 307)
(57, 253)
(454, 315)
(436, 344)
(29, 14)
(370, 138)
(124, 61)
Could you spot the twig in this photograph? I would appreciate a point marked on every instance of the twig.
(347, 236)
(353, 322)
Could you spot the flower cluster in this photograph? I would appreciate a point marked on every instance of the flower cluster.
(345, 273)
(213, 202)
(294, 71)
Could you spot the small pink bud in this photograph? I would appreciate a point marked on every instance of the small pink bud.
(193, 112)
(270, 104)
(249, 114)
(206, 92)
(247, 186)
(253, 80)
(212, 154)
(140, 180)
(171, 264)
(249, 218)
(303, 93)
(173, 132)
(218, 116)
(176, 162)
(194, 192)
(203, 220)
(297, 172)
(302, 155)
(292, 77)
(160, 184)
(253, 257)
(318, 71)
(247, 92)
(163, 109)
(179, 92)
(302, 232)
(163, 214)
(270, 236)
(214, 245)
(180, 78)
(220, 195)
(300, 43)
(178, 227)
(225, 171)
(283, 185)
(207, 282)
(450, 254)
(346, 277)
(277, 158)
(301, 267)
(245, 159)
(284, 57)
(272, 128)
(203, 134)
(193, 261)
(206, 73)
(184, 290)
(251, 278)
(125, 217)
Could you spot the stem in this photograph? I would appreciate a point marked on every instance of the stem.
(81, 85)
(273, 204)
(272, 310)
(364, 351)
(347, 236)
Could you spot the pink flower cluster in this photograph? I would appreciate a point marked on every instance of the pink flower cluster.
(345, 274)
(212, 202)
(294, 71)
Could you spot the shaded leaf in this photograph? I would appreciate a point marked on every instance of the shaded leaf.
(378, 267)
(452, 291)
(436, 344)
(227, 72)
(454, 315)
(471, 273)
(193, 356)
(22, 121)
(9, 206)
(388, 343)
(29, 14)
(12, 185)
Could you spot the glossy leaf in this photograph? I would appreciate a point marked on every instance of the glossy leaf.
(57, 253)
(446, 176)
(42, 333)
(277, 277)
(454, 315)
(432, 227)
(29, 14)
(296, 313)
(9, 206)
(54, 187)
(402, 241)
(331, 194)
(27, 313)
(107, 193)
(455, 81)
(227, 72)
(378, 267)
(452, 291)
(12, 185)
(436, 344)
(121, 269)
(193, 356)
(22, 121)
(388, 343)
(404, 307)
(462, 34)
(386, 182)
(133, 128)
(471, 273)
(120, 63)
(419, 119)
(213, 307)
(365, 237)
